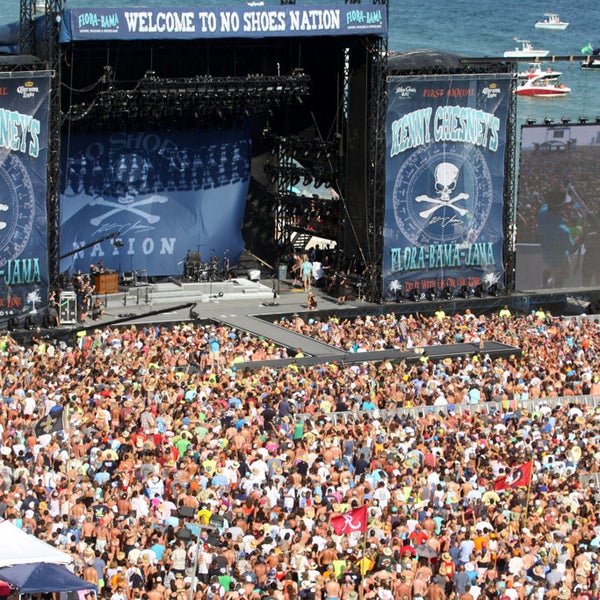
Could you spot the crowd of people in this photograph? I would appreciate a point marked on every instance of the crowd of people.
(182, 472)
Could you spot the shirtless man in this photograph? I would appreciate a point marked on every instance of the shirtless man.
(332, 588)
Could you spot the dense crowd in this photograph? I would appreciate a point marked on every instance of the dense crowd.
(168, 427)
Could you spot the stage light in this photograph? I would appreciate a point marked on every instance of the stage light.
(565, 120)
(548, 120)
(583, 120)
(480, 291)
(495, 289)
(466, 291)
(448, 293)
(598, 120)
(531, 121)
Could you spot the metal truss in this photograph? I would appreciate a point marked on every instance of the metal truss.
(510, 196)
(209, 98)
(376, 168)
(45, 54)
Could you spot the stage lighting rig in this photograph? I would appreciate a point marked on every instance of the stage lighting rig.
(480, 291)
(466, 291)
(495, 289)
(448, 292)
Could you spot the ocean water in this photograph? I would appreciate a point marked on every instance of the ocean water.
(478, 29)
(486, 29)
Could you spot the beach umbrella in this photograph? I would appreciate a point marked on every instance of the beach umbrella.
(407, 549)
(425, 551)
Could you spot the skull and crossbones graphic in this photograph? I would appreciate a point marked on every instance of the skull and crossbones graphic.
(3, 208)
(127, 204)
(446, 178)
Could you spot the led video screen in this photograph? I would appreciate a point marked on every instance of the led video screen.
(558, 228)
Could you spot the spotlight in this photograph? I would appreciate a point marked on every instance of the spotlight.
(583, 120)
(531, 121)
(448, 293)
(565, 120)
(432, 294)
(548, 120)
(118, 243)
(416, 295)
(495, 289)
(480, 291)
(598, 120)
(466, 291)
(13, 323)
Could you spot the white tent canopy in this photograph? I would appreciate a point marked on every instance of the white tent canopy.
(19, 548)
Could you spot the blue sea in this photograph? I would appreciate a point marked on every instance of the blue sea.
(484, 28)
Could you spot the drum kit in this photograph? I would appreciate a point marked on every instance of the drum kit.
(212, 270)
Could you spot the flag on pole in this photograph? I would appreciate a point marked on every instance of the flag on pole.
(518, 477)
(587, 49)
(351, 521)
(52, 422)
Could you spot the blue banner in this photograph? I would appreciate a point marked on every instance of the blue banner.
(24, 104)
(247, 22)
(158, 194)
(446, 142)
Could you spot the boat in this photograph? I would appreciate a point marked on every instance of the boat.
(538, 68)
(592, 60)
(553, 22)
(525, 51)
(541, 83)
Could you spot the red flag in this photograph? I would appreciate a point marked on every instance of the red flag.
(351, 521)
(518, 477)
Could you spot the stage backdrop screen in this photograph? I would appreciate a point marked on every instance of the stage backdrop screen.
(161, 194)
(23, 165)
(446, 142)
(558, 227)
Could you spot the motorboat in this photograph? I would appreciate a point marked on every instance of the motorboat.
(541, 84)
(538, 68)
(525, 51)
(553, 22)
(592, 60)
(592, 63)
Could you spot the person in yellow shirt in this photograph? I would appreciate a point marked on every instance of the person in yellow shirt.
(504, 312)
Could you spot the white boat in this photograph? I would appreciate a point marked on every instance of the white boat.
(538, 68)
(525, 51)
(592, 61)
(541, 83)
(552, 21)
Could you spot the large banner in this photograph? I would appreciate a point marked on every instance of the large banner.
(142, 201)
(558, 227)
(250, 21)
(446, 141)
(24, 103)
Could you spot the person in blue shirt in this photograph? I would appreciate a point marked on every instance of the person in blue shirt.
(555, 238)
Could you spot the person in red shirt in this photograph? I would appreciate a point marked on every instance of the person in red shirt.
(418, 536)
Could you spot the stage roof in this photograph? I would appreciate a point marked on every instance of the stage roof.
(203, 23)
